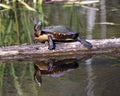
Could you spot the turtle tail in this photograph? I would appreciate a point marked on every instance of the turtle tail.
(85, 43)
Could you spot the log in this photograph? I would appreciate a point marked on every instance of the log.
(63, 50)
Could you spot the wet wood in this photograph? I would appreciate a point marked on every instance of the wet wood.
(63, 50)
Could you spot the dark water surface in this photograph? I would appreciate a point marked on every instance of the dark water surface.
(95, 76)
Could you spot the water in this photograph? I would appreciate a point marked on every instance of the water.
(96, 76)
(93, 76)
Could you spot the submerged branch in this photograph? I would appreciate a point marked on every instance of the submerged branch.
(63, 50)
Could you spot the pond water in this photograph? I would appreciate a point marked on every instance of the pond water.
(96, 76)
(93, 76)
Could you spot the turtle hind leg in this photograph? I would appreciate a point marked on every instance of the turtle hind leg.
(85, 43)
(51, 44)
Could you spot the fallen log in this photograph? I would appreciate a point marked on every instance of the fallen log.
(63, 50)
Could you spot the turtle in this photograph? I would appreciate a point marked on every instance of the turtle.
(58, 33)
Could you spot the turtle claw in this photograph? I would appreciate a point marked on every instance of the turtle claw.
(51, 47)
(35, 41)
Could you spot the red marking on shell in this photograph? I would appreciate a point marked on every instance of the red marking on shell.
(64, 34)
(59, 34)
(54, 32)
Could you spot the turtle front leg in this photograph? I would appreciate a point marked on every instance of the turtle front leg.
(50, 65)
(51, 44)
(35, 40)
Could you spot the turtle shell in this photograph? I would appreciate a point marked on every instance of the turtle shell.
(60, 32)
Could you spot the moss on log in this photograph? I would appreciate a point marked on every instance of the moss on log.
(63, 50)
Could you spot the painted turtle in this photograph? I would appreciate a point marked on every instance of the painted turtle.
(57, 33)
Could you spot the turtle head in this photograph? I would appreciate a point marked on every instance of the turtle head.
(37, 75)
(37, 29)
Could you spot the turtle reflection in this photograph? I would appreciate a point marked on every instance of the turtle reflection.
(53, 68)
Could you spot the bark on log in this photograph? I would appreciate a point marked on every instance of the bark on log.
(63, 50)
